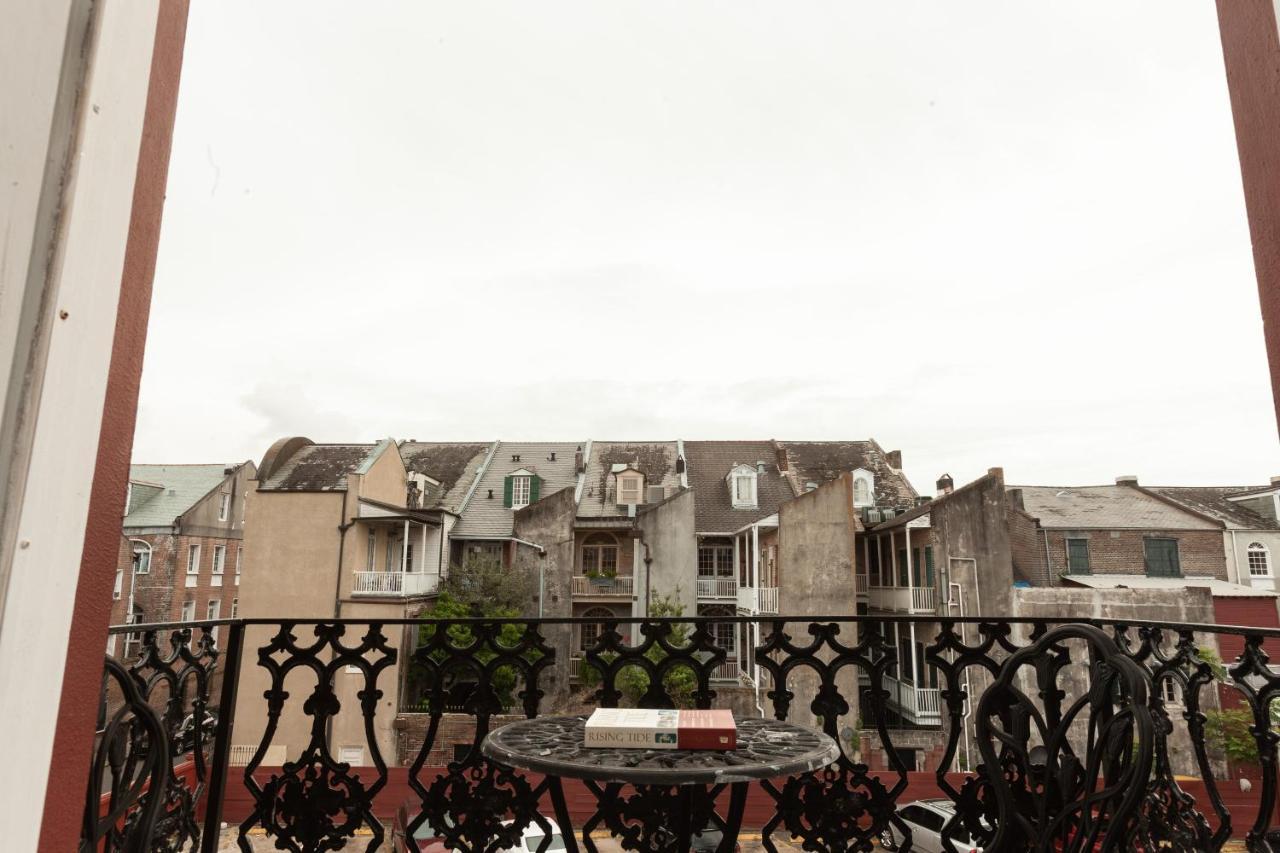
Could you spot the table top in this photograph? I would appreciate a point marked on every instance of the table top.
(766, 749)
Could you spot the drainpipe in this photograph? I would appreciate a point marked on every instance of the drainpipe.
(343, 527)
(542, 570)
(1235, 558)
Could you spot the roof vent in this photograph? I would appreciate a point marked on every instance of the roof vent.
(679, 464)
(491, 494)
(759, 466)
(1127, 480)
(515, 457)
(811, 486)
(552, 457)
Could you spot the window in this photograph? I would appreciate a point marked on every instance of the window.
(864, 488)
(1162, 558)
(224, 506)
(630, 488)
(141, 557)
(353, 755)
(715, 558)
(600, 555)
(1170, 692)
(219, 559)
(591, 631)
(929, 579)
(213, 608)
(115, 593)
(235, 608)
(1259, 560)
(193, 560)
(742, 486)
(371, 548)
(520, 490)
(188, 611)
(1078, 556)
(133, 640)
(725, 633)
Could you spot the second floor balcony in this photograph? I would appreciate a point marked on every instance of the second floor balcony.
(395, 584)
(718, 588)
(762, 599)
(603, 586)
(917, 600)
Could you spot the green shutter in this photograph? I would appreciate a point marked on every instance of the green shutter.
(506, 491)
(928, 565)
(534, 482)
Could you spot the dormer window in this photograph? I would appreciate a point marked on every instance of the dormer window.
(864, 488)
(631, 488)
(520, 489)
(742, 486)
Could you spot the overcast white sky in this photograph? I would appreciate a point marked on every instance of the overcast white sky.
(986, 233)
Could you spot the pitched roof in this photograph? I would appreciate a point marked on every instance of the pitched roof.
(454, 464)
(485, 517)
(161, 493)
(655, 459)
(1212, 501)
(319, 468)
(823, 461)
(709, 462)
(1082, 507)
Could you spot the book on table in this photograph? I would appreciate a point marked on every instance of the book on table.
(643, 728)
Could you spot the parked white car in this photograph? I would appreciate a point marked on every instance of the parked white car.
(926, 819)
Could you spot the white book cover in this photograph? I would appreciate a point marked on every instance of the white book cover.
(635, 728)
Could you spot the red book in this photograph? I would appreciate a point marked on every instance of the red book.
(707, 730)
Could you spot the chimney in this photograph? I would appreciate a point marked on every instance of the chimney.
(1015, 498)
(759, 466)
(945, 484)
(894, 458)
(679, 464)
(811, 486)
(1275, 481)
(1127, 480)
(578, 465)
(781, 453)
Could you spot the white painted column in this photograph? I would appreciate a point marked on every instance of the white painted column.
(911, 577)
(893, 560)
(404, 549)
(423, 558)
(755, 556)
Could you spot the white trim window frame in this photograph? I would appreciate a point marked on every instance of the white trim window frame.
(119, 587)
(224, 506)
(219, 559)
(630, 489)
(521, 490)
(1258, 556)
(141, 552)
(188, 611)
(864, 488)
(193, 559)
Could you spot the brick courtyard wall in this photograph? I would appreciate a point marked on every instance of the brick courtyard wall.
(411, 731)
(1026, 547)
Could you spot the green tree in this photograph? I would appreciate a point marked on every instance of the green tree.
(480, 587)
(679, 682)
(1231, 729)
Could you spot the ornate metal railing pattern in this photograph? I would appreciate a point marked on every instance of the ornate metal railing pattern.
(1064, 730)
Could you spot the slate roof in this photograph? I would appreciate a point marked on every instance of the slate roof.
(1217, 588)
(1212, 501)
(167, 491)
(709, 462)
(454, 464)
(824, 461)
(485, 517)
(1083, 507)
(319, 468)
(655, 459)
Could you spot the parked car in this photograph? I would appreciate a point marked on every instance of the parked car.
(708, 841)
(926, 819)
(427, 840)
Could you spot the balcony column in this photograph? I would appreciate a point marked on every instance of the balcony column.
(893, 559)
(911, 575)
(915, 675)
(404, 549)
(736, 559)
(755, 556)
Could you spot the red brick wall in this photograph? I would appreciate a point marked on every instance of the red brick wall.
(1027, 548)
(411, 730)
(1120, 552)
(161, 592)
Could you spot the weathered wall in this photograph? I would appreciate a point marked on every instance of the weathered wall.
(1236, 544)
(1026, 547)
(1193, 604)
(971, 545)
(668, 530)
(549, 523)
(815, 555)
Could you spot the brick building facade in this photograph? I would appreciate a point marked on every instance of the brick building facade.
(181, 556)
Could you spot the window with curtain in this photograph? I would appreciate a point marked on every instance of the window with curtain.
(1078, 556)
(1162, 558)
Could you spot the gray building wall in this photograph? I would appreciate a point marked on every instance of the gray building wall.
(971, 545)
(668, 531)
(816, 577)
(549, 523)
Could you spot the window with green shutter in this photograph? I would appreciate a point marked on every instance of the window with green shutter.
(929, 578)
(1078, 556)
(520, 489)
(1162, 558)
(903, 580)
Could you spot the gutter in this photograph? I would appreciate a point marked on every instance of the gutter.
(475, 484)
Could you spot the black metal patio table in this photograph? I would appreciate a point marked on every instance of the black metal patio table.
(675, 790)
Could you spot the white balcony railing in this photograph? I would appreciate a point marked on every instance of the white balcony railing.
(862, 582)
(395, 583)
(903, 599)
(920, 705)
(762, 600)
(723, 587)
(623, 585)
(768, 599)
(727, 671)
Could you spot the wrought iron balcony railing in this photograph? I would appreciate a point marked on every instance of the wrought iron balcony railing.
(1081, 736)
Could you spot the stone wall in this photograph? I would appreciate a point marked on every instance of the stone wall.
(549, 523)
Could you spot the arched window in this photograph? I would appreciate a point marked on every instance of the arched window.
(141, 557)
(600, 555)
(864, 487)
(1259, 560)
(591, 631)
